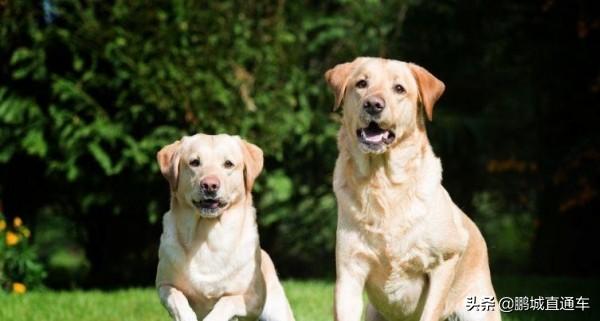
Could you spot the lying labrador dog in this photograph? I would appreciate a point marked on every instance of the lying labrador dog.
(399, 235)
(210, 265)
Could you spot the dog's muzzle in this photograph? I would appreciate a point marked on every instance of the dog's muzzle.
(209, 207)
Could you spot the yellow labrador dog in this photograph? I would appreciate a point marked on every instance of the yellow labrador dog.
(211, 266)
(399, 235)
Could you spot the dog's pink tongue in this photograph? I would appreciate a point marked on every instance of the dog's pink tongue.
(213, 204)
(376, 138)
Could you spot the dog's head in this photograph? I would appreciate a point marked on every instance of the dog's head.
(210, 173)
(382, 99)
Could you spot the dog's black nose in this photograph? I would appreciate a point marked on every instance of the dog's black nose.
(374, 105)
(210, 184)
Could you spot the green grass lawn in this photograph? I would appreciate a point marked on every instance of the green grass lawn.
(311, 301)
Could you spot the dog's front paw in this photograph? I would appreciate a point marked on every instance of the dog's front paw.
(187, 317)
(211, 318)
(183, 316)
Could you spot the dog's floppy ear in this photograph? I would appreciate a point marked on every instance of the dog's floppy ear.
(337, 78)
(168, 160)
(253, 163)
(430, 88)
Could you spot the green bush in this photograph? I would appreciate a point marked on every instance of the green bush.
(508, 229)
(20, 269)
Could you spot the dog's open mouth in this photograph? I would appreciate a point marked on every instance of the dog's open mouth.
(375, 136)
(209, 205)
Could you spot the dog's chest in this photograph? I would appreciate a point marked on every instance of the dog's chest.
(396, 238)
(207, 272)
(391, 222)
(401, 257)
(212, 274)
(396, 294)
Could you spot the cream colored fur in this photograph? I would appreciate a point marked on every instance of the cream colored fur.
(399, 235)
(211, 266)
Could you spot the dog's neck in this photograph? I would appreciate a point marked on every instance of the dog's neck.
(407, 170)
(402, 161)
(219, 233)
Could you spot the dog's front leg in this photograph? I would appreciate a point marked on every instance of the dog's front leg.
(228, 308)
(440, 280)
(348, 294)
(176, 303)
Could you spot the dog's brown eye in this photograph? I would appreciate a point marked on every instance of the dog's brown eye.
(195, 162)
(399, 89)
(228, 164)
(362, 84)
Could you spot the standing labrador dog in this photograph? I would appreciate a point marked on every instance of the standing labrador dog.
(210, 265)
(399, 235)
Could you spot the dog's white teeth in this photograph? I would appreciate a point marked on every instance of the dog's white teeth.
(365, 135)
(386, 134)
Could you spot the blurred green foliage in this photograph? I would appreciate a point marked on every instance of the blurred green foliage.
(508, 230)
(90, 91)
